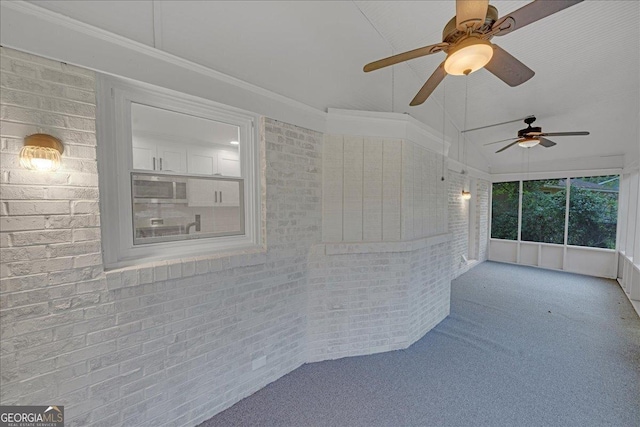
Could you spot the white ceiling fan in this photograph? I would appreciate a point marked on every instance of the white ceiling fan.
(465, 40)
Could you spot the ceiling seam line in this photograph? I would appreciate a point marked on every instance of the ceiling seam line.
(415, 72)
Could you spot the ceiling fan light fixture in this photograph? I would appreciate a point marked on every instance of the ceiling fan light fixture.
(529, 142)
(468, 56)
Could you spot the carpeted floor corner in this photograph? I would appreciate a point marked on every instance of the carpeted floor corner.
(522, 347)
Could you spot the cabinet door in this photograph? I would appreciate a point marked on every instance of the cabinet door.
(201, 192)
(172, 159)
(228, 193)
(202, 160)
(144, 154)
(229, 163)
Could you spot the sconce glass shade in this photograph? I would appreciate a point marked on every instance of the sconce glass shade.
(528, 142)
(41, 152)
(468, 56)
(466, 195)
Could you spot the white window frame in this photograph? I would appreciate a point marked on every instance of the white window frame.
(115, 164)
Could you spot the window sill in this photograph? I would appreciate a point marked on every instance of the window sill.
(157, 271)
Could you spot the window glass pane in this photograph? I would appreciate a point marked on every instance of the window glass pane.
(543, 210)
(504, 210)
(593, 211)
(177, 207)
(167, 141)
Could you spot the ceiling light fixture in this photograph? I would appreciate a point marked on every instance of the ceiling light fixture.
(529, 142)
(234, 143)
(41, 152)
(468, 56)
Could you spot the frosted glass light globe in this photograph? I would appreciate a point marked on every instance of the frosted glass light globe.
(468, 56)
(528, 142)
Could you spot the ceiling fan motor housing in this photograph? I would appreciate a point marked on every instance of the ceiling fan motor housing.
(450, 34)
(523, 132)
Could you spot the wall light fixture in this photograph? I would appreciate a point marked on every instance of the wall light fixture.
(41, 152)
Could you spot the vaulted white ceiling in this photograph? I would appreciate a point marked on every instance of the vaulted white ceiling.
(586, 59)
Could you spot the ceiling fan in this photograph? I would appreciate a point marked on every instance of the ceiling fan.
(532, 136)
(465, 40)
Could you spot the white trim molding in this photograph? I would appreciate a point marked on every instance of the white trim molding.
(385, 125)
(506, 177)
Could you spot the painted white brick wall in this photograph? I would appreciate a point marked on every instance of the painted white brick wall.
(366, 298)
(170, 343)
(459, 220)
(173, 342)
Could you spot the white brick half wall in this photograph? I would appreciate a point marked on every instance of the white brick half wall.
(174, 342)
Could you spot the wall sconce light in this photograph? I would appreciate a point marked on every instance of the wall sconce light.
(466, 195)
(41, 152)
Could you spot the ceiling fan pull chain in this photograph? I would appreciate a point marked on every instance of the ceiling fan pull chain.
(466, 102)
(444, 105)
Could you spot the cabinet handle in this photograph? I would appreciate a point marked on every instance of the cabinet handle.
(160, 163)
(154, 163)
(216, 195)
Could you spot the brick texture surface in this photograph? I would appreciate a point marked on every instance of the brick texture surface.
(170, 343)
(174, 342)
(459, 221)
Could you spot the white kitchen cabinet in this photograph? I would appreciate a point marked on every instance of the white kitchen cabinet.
(172, 158)
(144, 154)
(213, 193)
(228, 163)
(202, 160)
(228, 193)
(212, 161)
(150, 155)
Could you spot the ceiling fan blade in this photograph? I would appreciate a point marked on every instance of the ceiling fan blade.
(502, 140)
(430, 85)
(529, 13)
(507, 68)
(401, 57)
(471, 13)
(510, 145)
(546, 142)
(564, 133)
(497, 124)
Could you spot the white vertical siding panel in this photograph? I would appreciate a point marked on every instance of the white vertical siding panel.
(372, 185)
(353, 189)
(332, 188)
(432, 212)
(392, 188)
(407, 190)
(418, 207)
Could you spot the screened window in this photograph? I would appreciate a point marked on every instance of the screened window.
(543, 209)
(588, 218)
(504, 210)
(593, 211)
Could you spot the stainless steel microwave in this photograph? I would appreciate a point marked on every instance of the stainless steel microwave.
(150, 188)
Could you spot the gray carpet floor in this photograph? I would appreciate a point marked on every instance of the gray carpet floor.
(521, 347)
